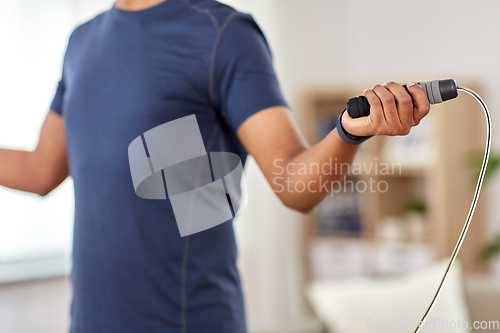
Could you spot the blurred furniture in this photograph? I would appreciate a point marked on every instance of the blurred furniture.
(431, 166)
(391, 304)
(341, 258)
(483, 296)
(343, 305)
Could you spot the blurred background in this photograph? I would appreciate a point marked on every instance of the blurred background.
(360, 259)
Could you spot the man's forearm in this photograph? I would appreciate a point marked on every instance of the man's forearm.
(18, 172)
(305, 179)
(43, 169)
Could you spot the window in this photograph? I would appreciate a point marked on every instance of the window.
(35, 233)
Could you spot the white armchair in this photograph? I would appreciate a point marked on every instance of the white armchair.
(391, 304)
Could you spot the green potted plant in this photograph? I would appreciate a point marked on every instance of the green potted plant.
(491, 253)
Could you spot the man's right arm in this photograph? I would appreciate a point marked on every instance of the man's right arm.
(42, 170)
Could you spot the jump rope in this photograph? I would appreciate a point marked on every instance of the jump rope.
(437, 92)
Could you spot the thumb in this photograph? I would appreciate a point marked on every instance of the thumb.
(356, 126)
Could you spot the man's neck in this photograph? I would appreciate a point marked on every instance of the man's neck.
(134, 5)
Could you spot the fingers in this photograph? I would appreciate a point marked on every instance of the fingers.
(404, 105)
(376, 109)
(421, 101)
(389, 107)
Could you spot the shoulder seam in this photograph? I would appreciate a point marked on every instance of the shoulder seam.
(211, 73)
(204, 11)
(220, 31)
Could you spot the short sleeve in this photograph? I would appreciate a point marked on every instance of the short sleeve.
(57, 102)
(244, 78)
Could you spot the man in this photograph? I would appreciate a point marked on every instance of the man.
(139, 65)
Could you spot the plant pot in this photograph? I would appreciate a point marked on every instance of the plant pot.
(495, 266)
(417, 226)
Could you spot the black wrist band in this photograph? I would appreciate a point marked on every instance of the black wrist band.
(358, 140)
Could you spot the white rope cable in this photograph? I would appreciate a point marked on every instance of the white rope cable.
(472, 207)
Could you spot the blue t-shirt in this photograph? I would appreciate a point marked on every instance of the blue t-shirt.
(125, 73)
